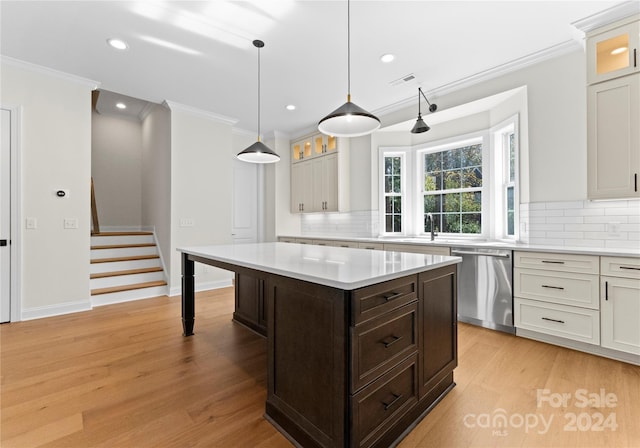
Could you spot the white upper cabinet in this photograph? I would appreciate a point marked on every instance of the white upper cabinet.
(612, 51)
(313, 146)
(613, 138)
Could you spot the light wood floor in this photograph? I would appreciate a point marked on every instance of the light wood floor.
(123, 376)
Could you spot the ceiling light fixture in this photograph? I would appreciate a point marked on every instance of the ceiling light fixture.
(619, 50)
(118, 44)
(291, 107)
(349, 120)
(258, 152)
(121, 105)
(386, 58)
(420, 125)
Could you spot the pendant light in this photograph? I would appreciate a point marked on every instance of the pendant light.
(420, 125)
(349, 120)
(258, 152)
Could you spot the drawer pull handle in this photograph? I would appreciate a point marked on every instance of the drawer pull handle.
(396, 398)
(630, 268)
(553, 287)
(553, 262)
(393, 296)
(553, 320)
(606, 290)
(393, 340)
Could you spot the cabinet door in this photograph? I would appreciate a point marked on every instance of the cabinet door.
(619, 311)
(301, 187)
(296, 152)
(613, 53)
(316, 179)
(330, 183)
(613, 138)
(438, 326)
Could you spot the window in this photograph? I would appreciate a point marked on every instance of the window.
(467, 184)
(393, 186)
(452, 188)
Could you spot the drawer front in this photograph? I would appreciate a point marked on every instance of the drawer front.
(418, 248)
(620, 267)
(372, 301)
(562, 288)
(379, 343)
(584, 264)
(371, 246)
(378, 406)
(569, 322)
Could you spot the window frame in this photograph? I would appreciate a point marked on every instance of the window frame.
(499, 134)
(406, 179)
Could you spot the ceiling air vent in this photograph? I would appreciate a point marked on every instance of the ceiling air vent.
(405, 78)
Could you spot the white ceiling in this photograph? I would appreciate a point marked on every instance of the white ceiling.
(213, 64)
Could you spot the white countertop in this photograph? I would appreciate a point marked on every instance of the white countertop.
(337, 267)
(598, 251)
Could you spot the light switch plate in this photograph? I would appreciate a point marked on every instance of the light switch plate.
(186, 222)
(70, 223)
(31, 223)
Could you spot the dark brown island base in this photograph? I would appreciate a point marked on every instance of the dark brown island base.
(361, 344)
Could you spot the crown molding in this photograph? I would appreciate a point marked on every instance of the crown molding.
(200, 113)
(500, 70)
(608, 16)
(146, 110)
(90, 83)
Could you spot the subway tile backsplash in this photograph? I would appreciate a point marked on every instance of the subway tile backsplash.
(605, 224)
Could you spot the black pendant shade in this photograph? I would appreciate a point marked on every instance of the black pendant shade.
(420, 125)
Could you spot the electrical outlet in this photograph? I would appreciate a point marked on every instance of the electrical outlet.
(186, 222)
(31, 223)
(70, 223)
(613, 228)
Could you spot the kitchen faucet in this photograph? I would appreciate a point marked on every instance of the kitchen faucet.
(429, 217)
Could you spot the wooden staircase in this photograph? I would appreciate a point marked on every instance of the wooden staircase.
(125, 266)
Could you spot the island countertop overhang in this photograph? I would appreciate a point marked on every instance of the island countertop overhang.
(338, 267)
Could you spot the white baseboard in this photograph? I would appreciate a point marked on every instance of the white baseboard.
(205, 286)
(55, 310)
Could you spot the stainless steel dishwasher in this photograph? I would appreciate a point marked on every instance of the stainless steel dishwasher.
(485, 294)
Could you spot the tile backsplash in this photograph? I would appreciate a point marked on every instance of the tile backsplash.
(604, 224)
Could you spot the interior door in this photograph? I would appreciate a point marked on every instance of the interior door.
(5, 217)
(245, 202)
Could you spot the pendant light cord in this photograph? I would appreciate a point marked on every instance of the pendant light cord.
(348, 50)
(258, 93)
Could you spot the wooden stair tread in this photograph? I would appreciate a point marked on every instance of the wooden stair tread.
(112, 289)
(123, 246)
(127, 272)
(121, 233)
(133, 258)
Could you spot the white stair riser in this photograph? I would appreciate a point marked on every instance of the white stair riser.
(121, 239)
(129, 279)
(123, 252)
(127, 296)
(124, 265)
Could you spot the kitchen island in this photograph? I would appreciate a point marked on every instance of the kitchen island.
(361, 344)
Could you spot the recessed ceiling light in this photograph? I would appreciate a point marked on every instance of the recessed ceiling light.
(121, 106)
(619, 50)
(291, 107)
(386, 58)
(118, 44)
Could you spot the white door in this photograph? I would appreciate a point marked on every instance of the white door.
(245, 202)
(5, 217)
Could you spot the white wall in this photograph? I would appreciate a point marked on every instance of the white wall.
(55, 151)
(116, 158)
(156, 178)
(201, 176)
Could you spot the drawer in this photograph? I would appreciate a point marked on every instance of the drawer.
(620, 267)
(562, 288)
(371, 246)
(584, 264)
(377, 407)
(372, 301)
(380, 343)
(579, 324)
(286, 240)
(418, 248)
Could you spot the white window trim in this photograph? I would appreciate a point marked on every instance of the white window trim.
(407, 179)
(501, 162)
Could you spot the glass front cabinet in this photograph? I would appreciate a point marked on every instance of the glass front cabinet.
(613, 51)
(313, 146)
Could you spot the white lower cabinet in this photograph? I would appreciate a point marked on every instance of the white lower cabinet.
(620, 304)
(571, 322)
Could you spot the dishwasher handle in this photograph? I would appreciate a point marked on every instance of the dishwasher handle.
(480, 254)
